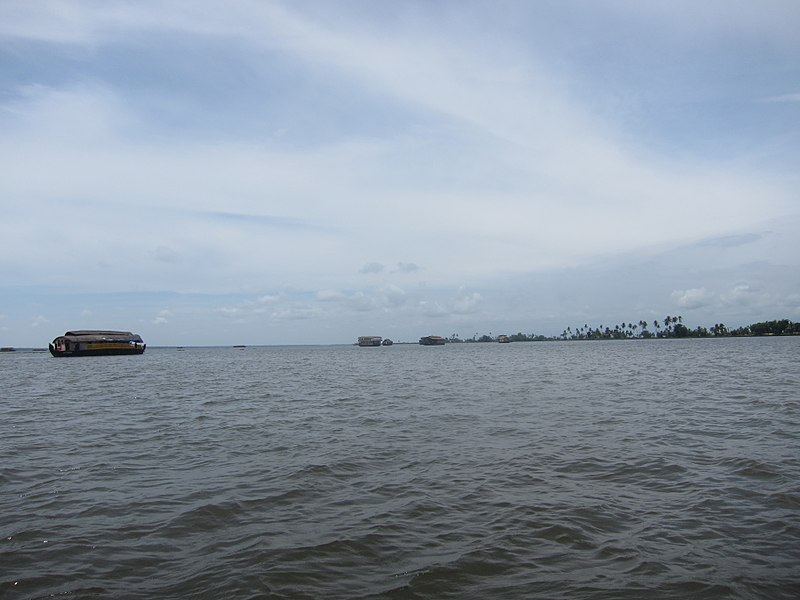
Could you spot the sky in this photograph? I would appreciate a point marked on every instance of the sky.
(258, 172)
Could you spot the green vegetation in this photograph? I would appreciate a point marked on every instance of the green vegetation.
(670, 327)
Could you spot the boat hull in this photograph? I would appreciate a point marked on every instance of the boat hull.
(96, 352)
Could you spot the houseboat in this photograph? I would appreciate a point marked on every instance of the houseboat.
(369, 340)
(503, 339)
(387, 342)
(432, 340)
(97, 343)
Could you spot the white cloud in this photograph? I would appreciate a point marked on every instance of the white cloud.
(296, 312)
(541, 150)
(466, 303)
(162, 317)
(330, 296)
(433, 309)
(742, 294)
(784, 98)
(392, 296)
(692, 298)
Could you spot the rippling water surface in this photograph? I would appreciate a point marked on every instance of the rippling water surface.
(658, 469)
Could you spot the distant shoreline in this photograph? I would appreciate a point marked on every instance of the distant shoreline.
(673, 327)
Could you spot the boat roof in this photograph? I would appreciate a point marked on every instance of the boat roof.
(99, 335)
(97, 332)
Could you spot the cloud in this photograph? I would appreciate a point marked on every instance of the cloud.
(732, 241)
(330, 296)
(39, 320)
(167, 254)
(162, 317)
(296, 312)
(403, 267)
(515, 166)
(783, 98)
(692, 298)
(386, 297)
(371, 268)
(433, 309)
(466, 303)
(392, 296)
(742, 295)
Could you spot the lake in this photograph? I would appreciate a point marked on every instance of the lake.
(610, 469)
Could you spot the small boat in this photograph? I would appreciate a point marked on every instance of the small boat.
(503, 339)
(369, 340)
(387, 342)
(432, 340)
(97, 343)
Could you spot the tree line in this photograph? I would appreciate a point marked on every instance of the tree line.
(669, 327)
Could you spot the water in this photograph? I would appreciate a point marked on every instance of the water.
(659, 469)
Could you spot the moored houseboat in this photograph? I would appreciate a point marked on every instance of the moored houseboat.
(369, 340)
(432, 340)
(97, 343)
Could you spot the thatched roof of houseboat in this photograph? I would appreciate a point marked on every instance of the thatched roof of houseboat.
(92, 335)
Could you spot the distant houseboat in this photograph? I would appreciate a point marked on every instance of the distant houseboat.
(432, 340)
(369, 340)
(97, 343)
(503, 339)
(387, 342)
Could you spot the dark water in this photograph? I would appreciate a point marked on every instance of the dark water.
(653, 469)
